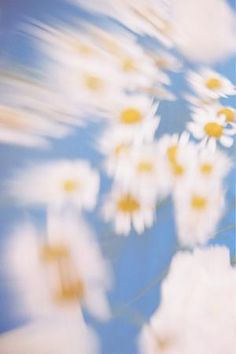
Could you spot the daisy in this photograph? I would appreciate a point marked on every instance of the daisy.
(189, 316)
(165, 61)
(229, 113)
(210, 84)
(113, 145)
(81, 72)
(178, 155)
(20, 127)
(57, 183)
(158, 91)
(199, 207)
(146, 18)
(127, 210)
(68, 335)
(142, 170)
(199, 102)
(39, 100)
(161, 337)
(196, 31)
(64, 44)
(210, 129)
(212, 165)
(136, 68)
(59, 273)
(91, 87)
(134, 116)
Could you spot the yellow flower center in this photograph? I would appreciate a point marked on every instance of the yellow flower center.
(128, 204)
(162, 344)
(172, 153)
(93, 83)
(128, 64)
(213, 83)
(70, 287)
(145, 166)
(51, 254)
(121, 148)
(178, 169)
(214, 130)
(81, 48)
(228, 113)
(198, 202)
(131, 116)
(12, 119)
(206, 168)
(161, 62)
(70, 185)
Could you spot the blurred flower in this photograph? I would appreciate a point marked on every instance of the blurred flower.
(178, 155)
(127, 209)
(193, 313)
(68, 335)
(229, 113)
(210, 84)
(143, 17)
(198, 208)
(113, 145)
(211, 129)
(58, 274)
(136, 68)
(21, 127)
(212, 166)
(134, 117)
(142, 170)
(57, 183)
(198, 32)
(199, 102)
(165, 61)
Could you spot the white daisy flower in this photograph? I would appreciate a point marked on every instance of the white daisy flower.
(212, 166)
(210, 129)
(113, 145)
(136, 68)
(65, 45)
(68, 335)
(192, 309)
(178, 155)
(57, 183)
(82, 73)
(39, 100)
(197, 32)
(210, 84)
(59, 273)
(165, 61)
(134, 117)
(127, 210)
(199, 102)
(161, 337)
(199, 207)
(22, 127)
(148, 18)
(142, 170)
(229, 113)
(91, 88)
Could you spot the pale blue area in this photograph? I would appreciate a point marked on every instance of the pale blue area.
(137, 260)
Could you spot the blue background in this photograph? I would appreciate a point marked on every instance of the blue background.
(139, 262)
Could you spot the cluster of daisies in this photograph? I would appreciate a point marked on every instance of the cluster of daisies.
(146, 170)
(88, 73)
(197, 307)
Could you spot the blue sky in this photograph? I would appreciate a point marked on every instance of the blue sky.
(138, 261)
